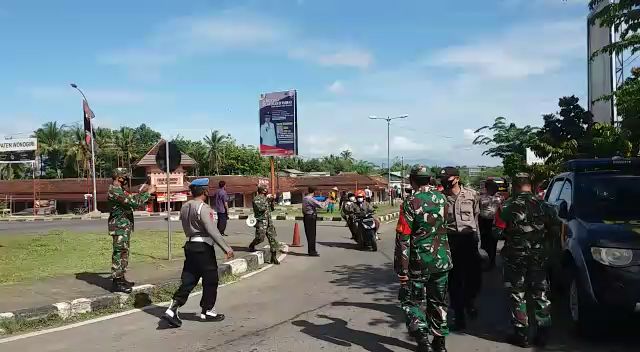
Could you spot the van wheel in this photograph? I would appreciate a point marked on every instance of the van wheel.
(583, 315)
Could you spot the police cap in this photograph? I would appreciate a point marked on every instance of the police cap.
(200, 182)
(449, 171)
(120, 172)
(522, 178)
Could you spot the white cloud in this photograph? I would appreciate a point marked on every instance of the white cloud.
(405, 144)
(526, 50)
(337, 87)
(469, 134)
(328, 55)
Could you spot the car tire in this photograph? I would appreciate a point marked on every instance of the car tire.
(583, 315)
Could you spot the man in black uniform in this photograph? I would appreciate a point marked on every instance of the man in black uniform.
(200, 257)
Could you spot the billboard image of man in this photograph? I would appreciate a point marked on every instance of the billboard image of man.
(268, 132)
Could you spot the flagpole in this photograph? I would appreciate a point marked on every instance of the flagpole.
(93, 155)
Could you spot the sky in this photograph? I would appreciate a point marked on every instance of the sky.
(189, 67)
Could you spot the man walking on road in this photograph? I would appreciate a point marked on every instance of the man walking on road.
(120, 224)
(489, 204)
(221, 206)
(462, 227)
(200, 256)
(262, 207)
(525, 223)
(422, 261)
(310, 215)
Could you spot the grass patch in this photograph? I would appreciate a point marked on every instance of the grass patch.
(159, 294)
(27, 258)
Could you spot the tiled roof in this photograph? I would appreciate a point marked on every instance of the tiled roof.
(149, 159)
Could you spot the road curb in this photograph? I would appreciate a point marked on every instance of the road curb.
(140, 295)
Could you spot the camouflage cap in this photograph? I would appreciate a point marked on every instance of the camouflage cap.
(262, 188)
(522, 178)
(420, 171)
(120, 172)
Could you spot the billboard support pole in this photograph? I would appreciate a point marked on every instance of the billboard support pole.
(34, 188)
(273, 176)
(166, 144)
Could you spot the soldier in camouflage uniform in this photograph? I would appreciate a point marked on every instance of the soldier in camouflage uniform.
(525, 223)
(262, 206)
(423, 261)
(121, 206)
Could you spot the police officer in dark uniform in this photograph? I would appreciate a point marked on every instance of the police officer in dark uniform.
(200, 258)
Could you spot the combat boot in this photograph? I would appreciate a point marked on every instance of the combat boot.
(252, 246)
(127, 282)
(118, 285)
(171, 315)
(438, 344)
(211, 315)
(274, 258)
(423, 344)
(519, 338)
(542, 336)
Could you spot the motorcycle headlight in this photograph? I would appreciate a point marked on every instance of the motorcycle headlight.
(612, 256)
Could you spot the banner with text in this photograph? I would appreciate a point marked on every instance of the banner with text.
(279, 124)
(21, 150)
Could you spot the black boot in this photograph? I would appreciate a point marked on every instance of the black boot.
(519, 338)
(542, 336)
(252, 247)
(423, 344)
(171, 315)
(274, 258)
(438, 344)
(118, 285)
(211, 315)
(127, 282)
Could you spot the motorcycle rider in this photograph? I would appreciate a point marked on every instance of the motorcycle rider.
(363, 207)
(348, 211)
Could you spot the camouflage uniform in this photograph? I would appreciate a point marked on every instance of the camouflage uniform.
(525, 222)
(264, 225)
(422, 253)
(121, 206)
(348, 211)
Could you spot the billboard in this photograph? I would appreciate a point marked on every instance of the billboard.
(21, 150)
(600, 70)
(279, 123)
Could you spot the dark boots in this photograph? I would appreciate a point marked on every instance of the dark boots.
(120, 285)
(520, 338)
(274, 258)
(423, 344)
(252, 246)
(171, 315)
(542, 336)
(438, 344)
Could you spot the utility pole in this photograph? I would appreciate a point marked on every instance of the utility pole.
(389, 119)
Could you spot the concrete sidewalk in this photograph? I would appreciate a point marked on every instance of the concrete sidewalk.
(44, 293)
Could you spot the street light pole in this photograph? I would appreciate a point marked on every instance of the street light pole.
(389, 119)
(93, 155)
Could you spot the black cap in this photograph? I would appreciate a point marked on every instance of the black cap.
(449, 171)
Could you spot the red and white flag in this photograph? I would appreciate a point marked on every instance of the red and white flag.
(88, 115)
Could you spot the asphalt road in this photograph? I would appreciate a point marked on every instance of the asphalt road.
(344, 300)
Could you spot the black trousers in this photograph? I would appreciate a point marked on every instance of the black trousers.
(465, 279)
(222, 222)
(309, 222)
(488, 242)
(199, 262)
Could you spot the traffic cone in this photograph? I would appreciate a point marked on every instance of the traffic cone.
(296, 236)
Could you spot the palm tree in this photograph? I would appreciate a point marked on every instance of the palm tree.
(347, 155)
(125, 143)
(78, 154)
(216, 143)
(11, 171)
(50, 139)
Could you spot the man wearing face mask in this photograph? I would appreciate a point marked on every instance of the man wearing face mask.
(462, 227)
(120, 224)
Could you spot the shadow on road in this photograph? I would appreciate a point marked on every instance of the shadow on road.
(102, 280)
(337, 332)
(378, 280)
(394, 318)
(344, 245)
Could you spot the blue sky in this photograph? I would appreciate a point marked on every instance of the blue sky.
(189, 67)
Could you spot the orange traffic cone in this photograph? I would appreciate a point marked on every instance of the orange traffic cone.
(296, 236)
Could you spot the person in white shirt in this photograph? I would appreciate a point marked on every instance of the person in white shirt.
(368, 194)
(268, 132)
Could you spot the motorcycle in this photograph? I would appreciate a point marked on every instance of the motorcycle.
(366, 234)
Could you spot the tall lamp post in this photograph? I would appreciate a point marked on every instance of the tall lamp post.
(93, 155)
(389, 119)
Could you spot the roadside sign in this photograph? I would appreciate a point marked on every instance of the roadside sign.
(175, 157)
(15, 151)
(278, 119)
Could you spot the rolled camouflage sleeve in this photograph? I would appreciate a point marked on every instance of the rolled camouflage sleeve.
(131, 200)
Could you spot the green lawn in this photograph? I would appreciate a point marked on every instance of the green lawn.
(27, 258)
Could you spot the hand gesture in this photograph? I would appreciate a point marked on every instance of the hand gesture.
(151, 189)
(229, 255)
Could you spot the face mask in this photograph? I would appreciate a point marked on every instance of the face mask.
(124, 181)
(448, 184)
(360, 199)
(353, 199)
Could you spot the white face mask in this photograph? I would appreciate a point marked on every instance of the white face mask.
(353, 199)
(360, 199)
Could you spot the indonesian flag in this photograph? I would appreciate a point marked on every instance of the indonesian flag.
(88, 115)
